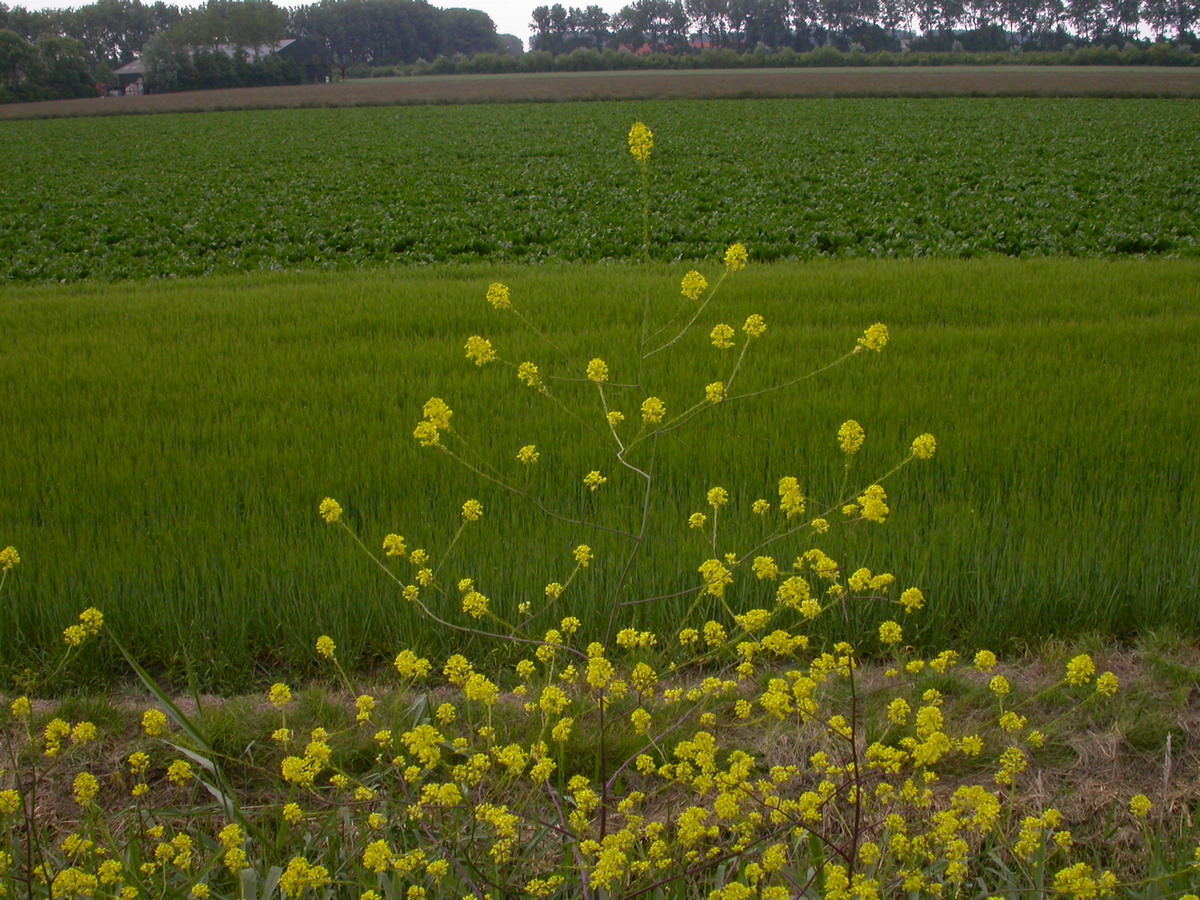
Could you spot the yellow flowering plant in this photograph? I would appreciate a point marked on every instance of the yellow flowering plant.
(750, 751)
(683, 788)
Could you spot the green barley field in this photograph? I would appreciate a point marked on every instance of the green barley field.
(166, 445)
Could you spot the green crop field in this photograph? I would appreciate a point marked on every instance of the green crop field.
(225, 339)
(183, 195)
(167, 445)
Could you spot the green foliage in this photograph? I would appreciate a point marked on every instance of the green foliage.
(220, 412)
(243, 191)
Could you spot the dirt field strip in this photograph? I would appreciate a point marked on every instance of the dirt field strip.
(997, 81)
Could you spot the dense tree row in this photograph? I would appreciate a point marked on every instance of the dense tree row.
(391, 32)
(111, 31)
(47, 68)
(65, 53)
(675, 26)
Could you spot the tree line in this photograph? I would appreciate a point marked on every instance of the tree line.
(70, 52)
(52, 54)
(682, 26)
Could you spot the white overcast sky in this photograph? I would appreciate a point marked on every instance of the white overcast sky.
(510, 16)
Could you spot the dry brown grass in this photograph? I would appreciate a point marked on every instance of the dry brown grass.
(990, 81)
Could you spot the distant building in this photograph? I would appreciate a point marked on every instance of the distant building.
(130, 77)
(306, 53)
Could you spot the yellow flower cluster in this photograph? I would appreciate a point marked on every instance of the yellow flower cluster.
(693, 285)
(90, 622)
(791, 498)
(851, 436)
(279, 696)
(330, 510)
(326, 647)
(653, 410)
(736, 257)
(301, 876)
(722, 337)
(641, 142)
(479, 350)
(874, 338)
(923, 446)
(498, 295)
(8, 558)
(436, 420)
(597, 371)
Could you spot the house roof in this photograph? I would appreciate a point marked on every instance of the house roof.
(137, 67)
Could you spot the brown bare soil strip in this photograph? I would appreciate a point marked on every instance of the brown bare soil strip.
(984, 81)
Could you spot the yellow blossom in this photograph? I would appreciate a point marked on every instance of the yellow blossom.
(8, 558)
(923, 446)
(1080, 670)
(280, 695)
(874, 338)
(985, 660)
(851, 436)
(527, 374)
(528, 454)
(736, 257)
(497, 295)
(409, 665)
(583, 555)
(330, 510)
(472, 511)
(427, 434)
(872, 504)
(641, 142)
(92, 620)
(653, 410)
(755, 325)
(716, 577)
(292, 814)
(1107, 685)
(693, 285)
(85, 788)
(697, 520)
(717, 497)
(154, 722)
(179, 772)
(84, 733)
(300, 876)
(715, 392)
(912, 600)
(325, 647)
(764, 568)
(597, 371)
(721, 337)
(593, 480)
(479, 350)
(890, 633)
(1139, 806)
(393, 545)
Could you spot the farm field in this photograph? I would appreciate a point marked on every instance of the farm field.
(186, 195)
(263, 316)
(167, 445)
(941, 81)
